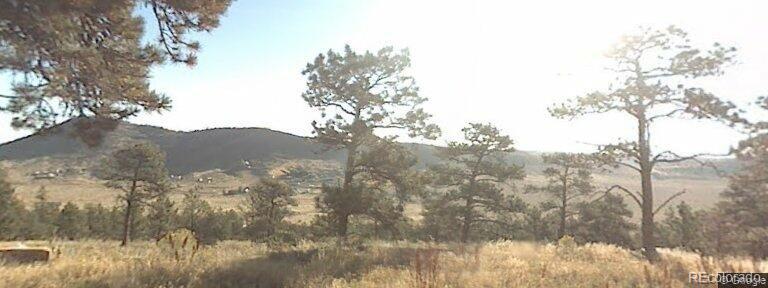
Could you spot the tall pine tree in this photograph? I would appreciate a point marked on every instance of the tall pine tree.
(474, 174)
(653, 69)
(358, 96)
(138, 171)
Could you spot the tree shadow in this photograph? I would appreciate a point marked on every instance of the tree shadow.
(308, 268)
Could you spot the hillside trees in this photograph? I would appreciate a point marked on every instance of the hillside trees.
(193, 209)
(139, 172)
(651, 69)
(606, 220)
(267, 206)
(86, 58)
(474, 172)
(70, 223)
(209, 225)
(162, 217)
(12, 212)
(43, 217)
(101, 222)
(358, 96)
(682, 228)
(569, 179)
(745, 202)
(387, 169)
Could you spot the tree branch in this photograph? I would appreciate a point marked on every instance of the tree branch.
(668, 200)
(659, 158)
(633, 167)
(669, 114)
(625, 190)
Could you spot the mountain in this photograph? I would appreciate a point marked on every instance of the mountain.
(219, 148)
(227, 148)
(207, 153)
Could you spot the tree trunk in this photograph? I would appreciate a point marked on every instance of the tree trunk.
(127, 223)
(647, 228)
(466, 225)
(563, 207)
(342, 228)
(465, 230)
(350, 166)
(561, 229)
(348, 177)
(128, 220)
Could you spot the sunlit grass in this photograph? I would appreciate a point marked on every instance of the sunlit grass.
(374, 264)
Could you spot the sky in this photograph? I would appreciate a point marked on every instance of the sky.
(502, 62)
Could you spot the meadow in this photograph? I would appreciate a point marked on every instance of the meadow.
(702, 189)
(364, 264)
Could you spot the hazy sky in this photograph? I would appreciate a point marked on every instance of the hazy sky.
(501, 62)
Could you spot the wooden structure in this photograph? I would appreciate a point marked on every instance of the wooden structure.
(24, 255)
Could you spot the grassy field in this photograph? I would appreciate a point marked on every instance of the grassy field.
(372, 264)
(702, 192)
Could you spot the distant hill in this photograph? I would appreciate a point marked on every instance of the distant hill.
(220, 148)
(212, 151)
(226, 148)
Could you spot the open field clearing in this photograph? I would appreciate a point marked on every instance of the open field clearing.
(701, 192)
(373, 264)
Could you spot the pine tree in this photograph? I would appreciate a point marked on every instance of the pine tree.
(98, 222)
(359, 95)
(606, 220)
(651, 68)
(139, 172)
(267, 205)
(86, 58)
(193, 209)
(474, 172)
(162, 217)
(746, 199)
(43, 217)
(569, 179)
(12, 212)
(682, 228)
(71, 222)
(721, 233)
(218, 225)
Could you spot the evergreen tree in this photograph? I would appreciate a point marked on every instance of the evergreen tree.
(139, 172)
(267, 206)
(98, 222)
(359, 95)
(218, 225)
(162, 217)
(12, 212)
(721, 233)
(682, 228)
(230, 224)
(71, 222)
(569, 179)
(386, 179)
(338, 205)
(606, 220)
(540, 226)
(193, 209)
(474, 172)
(43, 217)
(745, 202)
(86, 58)
(651, 68)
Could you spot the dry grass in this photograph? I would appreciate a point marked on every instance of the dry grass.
(702, 191)
(376, 264)
(82, 190)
